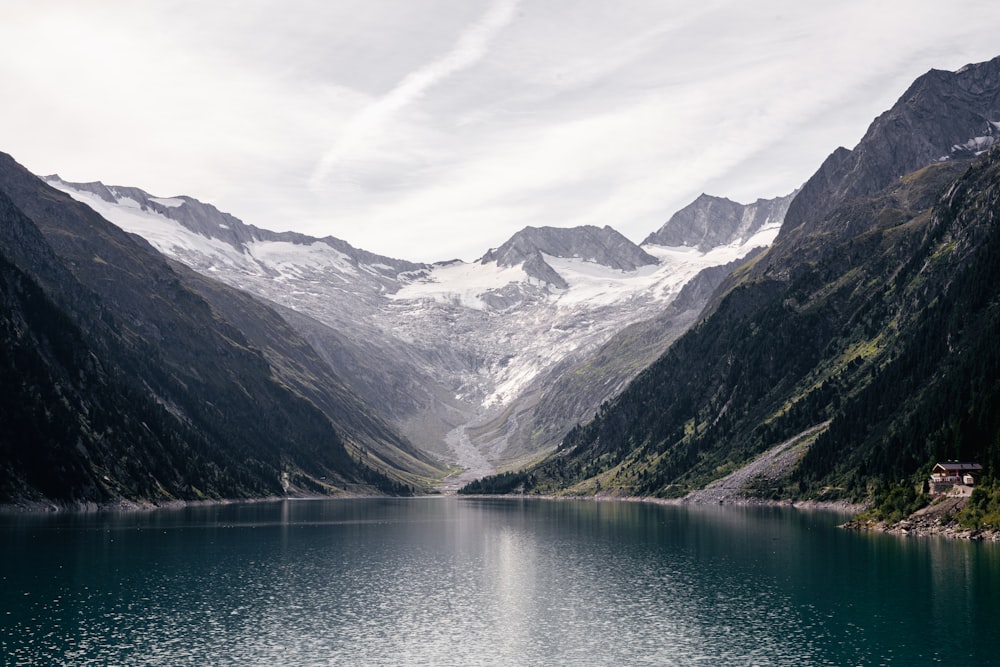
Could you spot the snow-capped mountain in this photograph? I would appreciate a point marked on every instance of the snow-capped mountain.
(710, 221)
(445, 346)
(528, 248)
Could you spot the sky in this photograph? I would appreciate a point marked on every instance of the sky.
(435, 129)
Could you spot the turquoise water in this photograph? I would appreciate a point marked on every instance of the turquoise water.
(455, 581)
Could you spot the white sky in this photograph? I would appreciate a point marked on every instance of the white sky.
(434, 129)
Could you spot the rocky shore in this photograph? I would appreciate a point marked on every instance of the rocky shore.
(935, 519)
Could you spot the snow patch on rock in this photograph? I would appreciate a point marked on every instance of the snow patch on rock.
(484, 330)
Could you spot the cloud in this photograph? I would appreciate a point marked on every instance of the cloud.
(471, 46)
(436, 128)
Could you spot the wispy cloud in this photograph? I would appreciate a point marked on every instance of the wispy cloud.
(470, 47)
(432, 129)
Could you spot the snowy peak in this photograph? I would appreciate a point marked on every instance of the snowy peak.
(94, 188)
(601, 245)
(604, 246)
(200, 218)
(709, 222)
(206, 238)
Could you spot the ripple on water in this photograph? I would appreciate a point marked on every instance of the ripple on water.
(452, 581)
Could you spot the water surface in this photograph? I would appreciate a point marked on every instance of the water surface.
(456, 581)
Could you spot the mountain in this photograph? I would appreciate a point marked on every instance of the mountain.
(322, 286)
(711, 221)
(453, 354)
(297, 364)
(572, 389)
(943, 115)
(854, 352)
(603, 246)
(208, 226)
(125, 382)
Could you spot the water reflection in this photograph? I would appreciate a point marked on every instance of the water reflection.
(444, 581)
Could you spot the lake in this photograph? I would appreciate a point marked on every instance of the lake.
(465, 581)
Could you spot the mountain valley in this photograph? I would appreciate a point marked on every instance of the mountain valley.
(159, 349)
(456, 353)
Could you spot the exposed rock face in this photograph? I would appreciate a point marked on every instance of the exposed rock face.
(603, 246)
(941, 116)
(709, 221)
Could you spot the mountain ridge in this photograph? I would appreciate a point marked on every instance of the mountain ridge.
(601, 245)
(865, 334)
(708, 221)
(938, 117)
(208, 221)
(464, 339)
(848, 337)
(166, 400)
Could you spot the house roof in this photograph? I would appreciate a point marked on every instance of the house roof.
(955, 466)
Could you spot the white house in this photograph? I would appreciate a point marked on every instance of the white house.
(949, 474)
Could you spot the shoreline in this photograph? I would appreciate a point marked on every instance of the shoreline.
(933, 520)
(840, 506)
(923, 523)
(908, 528)
(125, 505)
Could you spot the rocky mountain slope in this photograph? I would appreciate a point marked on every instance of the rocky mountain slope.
(869, 325)
(454, 353)
(571, 390)
(605, 247)
(942, 116)
(710, 221)
(124, 381)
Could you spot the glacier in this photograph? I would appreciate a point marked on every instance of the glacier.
(469, 337)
